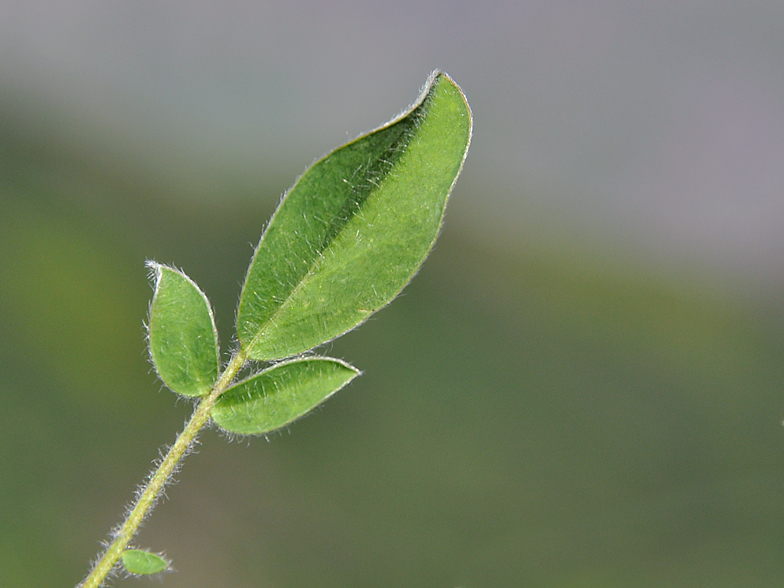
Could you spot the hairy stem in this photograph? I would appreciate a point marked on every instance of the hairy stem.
(161, 475)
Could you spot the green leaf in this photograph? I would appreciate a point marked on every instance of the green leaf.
(281, 394)
(137, 561)
(182, 335)
(355, 228)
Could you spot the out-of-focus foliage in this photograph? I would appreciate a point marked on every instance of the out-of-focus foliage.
(525, 418)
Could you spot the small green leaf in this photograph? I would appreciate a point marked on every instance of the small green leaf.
(280, 395)
(355, 228)
(137, 561)
(183, 338)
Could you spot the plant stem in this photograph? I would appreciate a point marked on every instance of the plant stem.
(161, 475)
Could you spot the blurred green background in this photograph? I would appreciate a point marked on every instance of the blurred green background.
(584, 386)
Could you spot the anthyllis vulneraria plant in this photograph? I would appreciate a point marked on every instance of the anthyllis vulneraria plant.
(344, 241)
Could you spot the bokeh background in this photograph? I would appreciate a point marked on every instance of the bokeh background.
(584, 386)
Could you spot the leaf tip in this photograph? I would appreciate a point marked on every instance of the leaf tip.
(153, 270)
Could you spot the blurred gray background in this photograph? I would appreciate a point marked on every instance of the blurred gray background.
(658, 124)
(582, 388)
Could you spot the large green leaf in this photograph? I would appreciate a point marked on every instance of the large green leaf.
(281, 394)
(183, 338)
(137, 561)
(355, 228)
